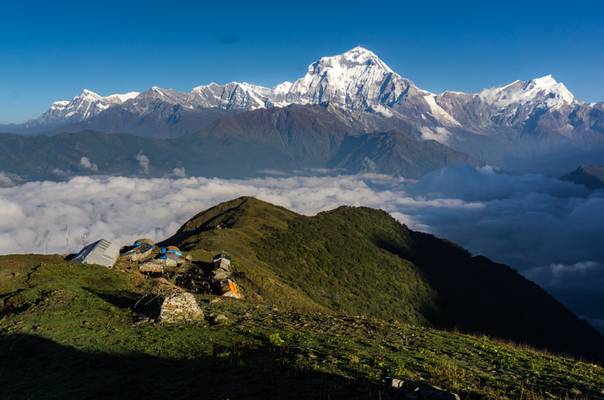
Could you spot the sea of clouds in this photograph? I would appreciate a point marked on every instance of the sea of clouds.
(550, 230)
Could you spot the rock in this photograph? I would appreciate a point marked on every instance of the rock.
(220, 319)
(396, 383)
(220, 274)
(411, 390)
(233, 295)
(180, 307)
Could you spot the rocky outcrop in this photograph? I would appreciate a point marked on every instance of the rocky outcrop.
(180, 307)
(177, 306)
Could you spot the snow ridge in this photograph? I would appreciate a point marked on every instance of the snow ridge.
(82, 107)
(356, 81)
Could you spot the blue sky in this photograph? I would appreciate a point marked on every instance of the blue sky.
(52, 50)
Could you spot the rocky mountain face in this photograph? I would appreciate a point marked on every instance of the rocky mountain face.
(395, 153)
(289, 139)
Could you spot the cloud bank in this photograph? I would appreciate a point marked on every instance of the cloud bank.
(548, 229)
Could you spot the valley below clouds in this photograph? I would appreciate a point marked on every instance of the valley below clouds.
(549, 230)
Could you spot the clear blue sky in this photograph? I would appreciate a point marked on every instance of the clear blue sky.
(50, 50)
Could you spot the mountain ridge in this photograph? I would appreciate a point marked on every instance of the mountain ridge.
(290, 139)
(526, 123)
(359, 82)
(346, 258)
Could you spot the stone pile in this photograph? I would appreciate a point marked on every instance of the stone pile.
(180, 307)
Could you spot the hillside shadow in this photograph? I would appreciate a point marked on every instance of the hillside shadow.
(122, 299)
(37, 368)
(478, 296)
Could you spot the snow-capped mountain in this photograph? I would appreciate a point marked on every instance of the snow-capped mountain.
(509, 105)
(358, 87)
(348, 111)
(82, 107)
(541, 91)
(154, 99)
(232, 96)
(356, 80)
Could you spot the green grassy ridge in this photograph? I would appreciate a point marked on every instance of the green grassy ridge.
(358, 260)
(67, 331)
(244, 221)
(332, 258)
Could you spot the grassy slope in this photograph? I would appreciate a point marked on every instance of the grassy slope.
(294, 261)
(361, 261)
(68, 332)
(247, 223)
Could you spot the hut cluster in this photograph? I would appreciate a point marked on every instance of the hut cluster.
(155, 261)
(216, 278)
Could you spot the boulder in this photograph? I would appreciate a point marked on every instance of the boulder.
(220, 274)
(180, 307)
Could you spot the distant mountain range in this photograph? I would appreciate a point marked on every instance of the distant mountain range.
(358, 95)
(290, 140)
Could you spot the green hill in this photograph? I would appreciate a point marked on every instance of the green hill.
(361, 261)
(68, 332)
(334, 303)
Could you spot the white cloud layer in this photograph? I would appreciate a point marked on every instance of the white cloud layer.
(527, 221)
(550, 229)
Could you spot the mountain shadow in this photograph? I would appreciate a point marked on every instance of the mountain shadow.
(37, 368)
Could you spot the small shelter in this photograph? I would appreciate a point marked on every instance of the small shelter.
(169, 257)
(222, 260)
(222, 267)
(101, 252)
(141, 250)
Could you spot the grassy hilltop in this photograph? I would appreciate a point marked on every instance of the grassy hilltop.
(334, 303)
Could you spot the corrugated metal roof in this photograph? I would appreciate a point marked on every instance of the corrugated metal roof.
(101, 252)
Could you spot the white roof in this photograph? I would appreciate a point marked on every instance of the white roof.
(101, 252)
